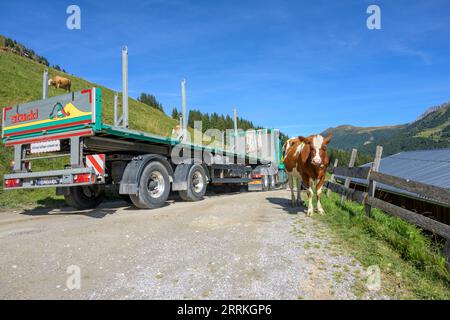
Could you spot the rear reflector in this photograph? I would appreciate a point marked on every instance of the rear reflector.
(82, 178)
(13, 183)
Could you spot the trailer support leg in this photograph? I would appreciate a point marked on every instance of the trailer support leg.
(18, 154)
(76, 152)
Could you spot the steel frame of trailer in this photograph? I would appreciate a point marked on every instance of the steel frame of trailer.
(126, 151)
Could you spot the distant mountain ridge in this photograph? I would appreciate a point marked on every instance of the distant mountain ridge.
(431, 110)
(430, 131)
(347, 137)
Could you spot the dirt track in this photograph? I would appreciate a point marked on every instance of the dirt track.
(248, 245)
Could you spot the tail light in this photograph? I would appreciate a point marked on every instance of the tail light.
(13, 183)
(82, 178)
(256, 176)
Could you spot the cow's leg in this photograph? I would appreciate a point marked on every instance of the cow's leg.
(319, 192)
(291, 186)
(299, 188)
(309, 193)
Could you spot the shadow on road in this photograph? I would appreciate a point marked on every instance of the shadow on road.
(285, 205)
(105, 209)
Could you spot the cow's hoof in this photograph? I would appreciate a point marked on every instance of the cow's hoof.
(310, 212)
(321, 212)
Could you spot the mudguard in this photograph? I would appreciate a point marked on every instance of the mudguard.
(133, 171)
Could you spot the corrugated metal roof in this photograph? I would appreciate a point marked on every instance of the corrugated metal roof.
(426, 166)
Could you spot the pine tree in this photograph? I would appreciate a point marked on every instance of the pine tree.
(151, 101)
(206, 123)
(175, 114)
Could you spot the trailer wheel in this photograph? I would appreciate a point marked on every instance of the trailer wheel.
(85, 197)
(271, 182)
(154, 187)
(265, 183)
(196, 184)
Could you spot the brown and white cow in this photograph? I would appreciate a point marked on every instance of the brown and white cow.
(60, 82)
(306, 159)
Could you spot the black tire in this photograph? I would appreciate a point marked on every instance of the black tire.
(154, 187)
(85, 197)
(196, 184)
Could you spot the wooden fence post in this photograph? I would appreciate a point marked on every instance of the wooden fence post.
(351, 164)
(372, 183)
(335, 164)
(446, 251)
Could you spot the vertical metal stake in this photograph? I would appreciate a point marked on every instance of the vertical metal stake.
(125, 86)
(45, 84)
(235, 130)
(116, 109)
(183, 110)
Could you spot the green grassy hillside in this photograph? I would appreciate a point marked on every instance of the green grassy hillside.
(21, 81)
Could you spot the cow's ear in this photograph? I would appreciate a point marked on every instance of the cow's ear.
(327, 139)
(304, 140)
(304, 155)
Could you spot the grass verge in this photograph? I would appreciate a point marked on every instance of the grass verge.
(411, 265)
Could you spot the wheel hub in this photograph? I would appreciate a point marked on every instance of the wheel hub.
(197, 182)
(156, 184)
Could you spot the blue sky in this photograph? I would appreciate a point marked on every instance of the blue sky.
(300, 66)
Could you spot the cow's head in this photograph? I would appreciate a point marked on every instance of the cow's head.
(50, 82)
(315, 149)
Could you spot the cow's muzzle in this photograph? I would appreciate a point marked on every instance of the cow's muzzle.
(316, 162)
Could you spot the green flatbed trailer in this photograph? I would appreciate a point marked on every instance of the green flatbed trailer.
(140, 166)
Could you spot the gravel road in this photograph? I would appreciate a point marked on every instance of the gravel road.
(229, 246)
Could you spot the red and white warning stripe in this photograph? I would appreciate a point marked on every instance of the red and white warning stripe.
(96, 161)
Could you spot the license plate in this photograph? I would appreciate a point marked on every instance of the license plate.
(45, 146)
(255, 182)
(47, 182)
